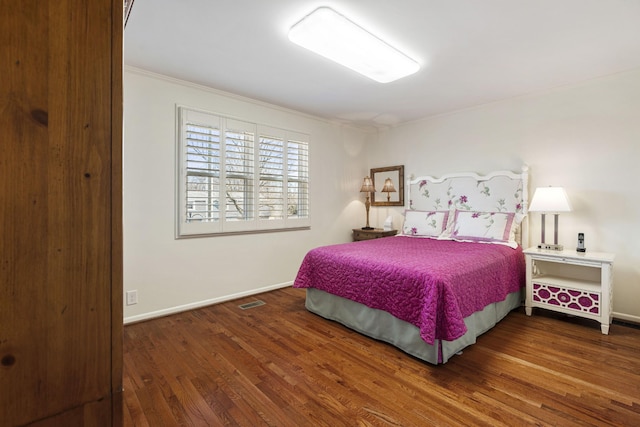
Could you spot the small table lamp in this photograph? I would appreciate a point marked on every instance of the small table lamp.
(388, 188)
(550, 200)
(367, 187)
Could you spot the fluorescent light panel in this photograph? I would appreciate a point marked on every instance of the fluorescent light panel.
(327, 33)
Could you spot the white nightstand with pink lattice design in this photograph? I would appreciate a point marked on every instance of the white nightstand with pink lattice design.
(575, 283)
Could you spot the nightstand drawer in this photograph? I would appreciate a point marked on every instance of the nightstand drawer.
(578, 300)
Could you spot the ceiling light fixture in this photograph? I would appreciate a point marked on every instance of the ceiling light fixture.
(327, 33)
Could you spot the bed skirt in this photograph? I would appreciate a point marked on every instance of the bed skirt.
(383, 326)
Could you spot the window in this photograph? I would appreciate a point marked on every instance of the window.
(236, 176)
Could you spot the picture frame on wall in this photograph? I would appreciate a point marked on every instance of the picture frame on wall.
(379, 176)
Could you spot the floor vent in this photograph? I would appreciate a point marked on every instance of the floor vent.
(251, 304)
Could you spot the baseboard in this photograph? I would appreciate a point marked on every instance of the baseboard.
(626, 318)
(177, 309)
(200, 304)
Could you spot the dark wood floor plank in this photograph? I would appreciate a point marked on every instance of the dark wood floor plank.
(279, 365)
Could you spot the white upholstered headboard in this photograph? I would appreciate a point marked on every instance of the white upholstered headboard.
(500, 191)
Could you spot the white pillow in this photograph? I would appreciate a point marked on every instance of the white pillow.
(424, 223)
(483, 226)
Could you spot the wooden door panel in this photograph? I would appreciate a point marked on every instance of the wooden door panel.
(56, 214)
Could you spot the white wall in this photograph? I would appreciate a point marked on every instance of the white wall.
(171, 274)
(585, 138)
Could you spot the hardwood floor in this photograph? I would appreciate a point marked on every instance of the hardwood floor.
(279, 365)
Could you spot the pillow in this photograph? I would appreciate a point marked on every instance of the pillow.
(424, 223)
(484, 226)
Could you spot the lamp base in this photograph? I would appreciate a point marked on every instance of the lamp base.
(550, 247)
(367, 228)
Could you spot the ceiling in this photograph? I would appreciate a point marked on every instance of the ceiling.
(472, 52)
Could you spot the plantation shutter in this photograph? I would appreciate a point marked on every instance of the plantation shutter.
(271, 194)
(239, 174)
(297, 179)
(201, 154)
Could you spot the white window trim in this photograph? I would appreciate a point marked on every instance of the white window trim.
(184, 228)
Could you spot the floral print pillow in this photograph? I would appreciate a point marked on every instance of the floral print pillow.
(425, 223)
(483, 226)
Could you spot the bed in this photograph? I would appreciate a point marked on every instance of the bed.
(453, 272)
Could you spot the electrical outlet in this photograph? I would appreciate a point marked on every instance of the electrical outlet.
(132, 297)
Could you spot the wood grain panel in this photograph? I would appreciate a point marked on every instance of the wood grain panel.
(57, 217)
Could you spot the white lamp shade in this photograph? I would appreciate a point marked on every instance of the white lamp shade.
(550, 200)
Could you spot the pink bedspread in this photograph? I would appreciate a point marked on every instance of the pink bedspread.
(432, 284)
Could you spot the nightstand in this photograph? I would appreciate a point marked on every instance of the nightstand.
(570, 282)
(376, 233)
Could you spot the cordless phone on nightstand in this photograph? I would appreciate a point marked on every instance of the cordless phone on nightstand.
(581, 247)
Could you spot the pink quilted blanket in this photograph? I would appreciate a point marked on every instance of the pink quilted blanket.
(432, 284)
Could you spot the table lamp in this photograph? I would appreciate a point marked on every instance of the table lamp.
(367, 187)
(550, 200)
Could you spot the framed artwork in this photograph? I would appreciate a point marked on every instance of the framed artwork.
(389, 185)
